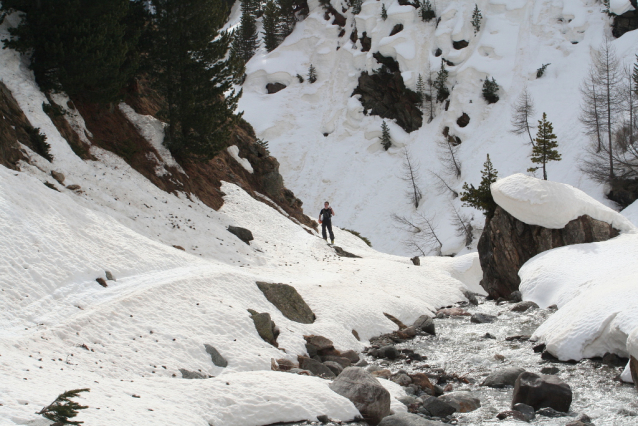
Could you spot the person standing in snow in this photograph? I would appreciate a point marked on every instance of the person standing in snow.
(325, 219)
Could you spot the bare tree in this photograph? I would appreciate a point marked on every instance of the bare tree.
(591, 109)
(448, 158)
(422, 238)
(522, 111)
(462, 226)
(412, 177)
(442, 186)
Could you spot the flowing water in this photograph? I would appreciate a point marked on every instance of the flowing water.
(460, 348)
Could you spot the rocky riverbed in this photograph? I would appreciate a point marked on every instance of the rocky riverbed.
(465, 351)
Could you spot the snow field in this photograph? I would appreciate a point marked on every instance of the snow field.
(328, 148)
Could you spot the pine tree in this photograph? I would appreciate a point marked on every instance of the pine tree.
(83, 47)
(63, 408)
(442, 92)
(312, 74)
(420, 90)
(272, 26)
(386, 140)
(248, 37)
(287, 17)
(546, 146)
(356, 6)
(476, 19)
(252, 6)
(384, 12)
(481, 198)
(426, 12)
(490, 90)
(193, 76)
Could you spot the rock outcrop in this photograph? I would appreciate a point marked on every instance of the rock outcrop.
(507, 243)
(626, 22)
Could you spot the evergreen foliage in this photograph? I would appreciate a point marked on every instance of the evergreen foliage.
(272, 26)
(546, 146)
(440, 84)
(64, 408)
(264, 144)
(477, 17)
(189, 67)
(481, 198)
(386, 140)
(39, 142)
(541, 70)
(490, 91)
(287, 17)
(248, 39)
(356, 6)
(300, 78)
(426, 12)
(83, 47)
(312, 74)
(420, 90)
(384, 12)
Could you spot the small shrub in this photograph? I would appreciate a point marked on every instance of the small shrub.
(490, 91)
(384, 12)
(264, 144)
(300, 78)
(386, 140)
(39, 142)
(312, 74)
(477, 17)
(541, 70)
(356, 234)
(426, 12)
(63, 408)
(481, 198)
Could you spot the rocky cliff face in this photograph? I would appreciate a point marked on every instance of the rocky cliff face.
(626, 22)
(507, 243)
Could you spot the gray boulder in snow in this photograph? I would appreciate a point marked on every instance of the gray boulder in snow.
(215, 356)
(503, 377)
(187, 374)
(242, 233)
(366, 393)
(286, 298)
(407, 419)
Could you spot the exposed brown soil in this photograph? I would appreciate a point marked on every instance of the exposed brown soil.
(13, 125)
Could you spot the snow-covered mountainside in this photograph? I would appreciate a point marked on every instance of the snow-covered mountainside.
(330, 149)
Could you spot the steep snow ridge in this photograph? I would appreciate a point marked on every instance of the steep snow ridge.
(551, 204)
(329, 148)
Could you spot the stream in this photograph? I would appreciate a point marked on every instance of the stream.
(461, 349)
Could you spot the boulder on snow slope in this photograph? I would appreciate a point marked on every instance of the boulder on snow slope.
(534, 216)
(286, 298)
(366, 393)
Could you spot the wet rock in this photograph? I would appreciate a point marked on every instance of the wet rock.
(323, 419)
(583, 420)
(524, 306)
(186, 374)
(512, 414)
(464, 402)
(242, 233)
(407, 333)
(550, 370)
(265, 327)
(425, 323)
(401, 379)
(461, 44)
(482, 318)
(388, 352)
(614, 360)
(366, 393)
(507, 243)
(518, 337)
(274, 87)
(57, 176)
(516, 297)
(335, 367)
(633, 368)
(550, 412)
(215, 356)
(527, 411)
(289, 302)
(541, 391)
(315, 367)
(503, 377)
(471, 297)
(489, 336)
(539, 348)
(422, 381)
(407, 419)
(437, 407)
(463, 120)
(546, 355)
(451, 312)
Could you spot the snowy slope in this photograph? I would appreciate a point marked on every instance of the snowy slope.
(348, 165)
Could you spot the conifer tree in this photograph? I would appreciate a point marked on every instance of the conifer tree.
(287, 17)
(476, 19)
(384, 12)
(546, 146)
(490, 90)
(83, 47)
(440, 84)
(356, 6)
(481, 197)
(386, 140)
(312, 74)
(192, 74)
(272, 26)
(247, 33)
(64, 408)
(426, 12)
(420, 90)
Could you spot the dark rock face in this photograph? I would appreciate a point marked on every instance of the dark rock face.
(540, 391)
(463, 120)
(626, 22)
(461, 44)
(507, 243)
(503, 377)
(437, 407)
(288, 301)
(527, 411)
(339, 19)
(397, 29)
(215, 356)
(242, 233)
(383, 93)
(407, 419)
(274, 87)
(366, 42)
(366, 393)
(511, 414)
